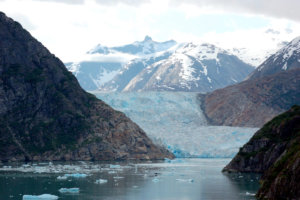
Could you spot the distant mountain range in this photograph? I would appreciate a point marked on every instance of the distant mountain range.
(161, 66)
(271, 89)
(187, 67)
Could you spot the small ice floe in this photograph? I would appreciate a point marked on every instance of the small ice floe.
(101, 181)
(155, 180)
(185, 180)
(61, 178)
(118, 177)
(135, 186)
(69, 190)
(250, 194)
(40, 197)
(167, 160)
(76, 175)
(112, 172)
(114, 166)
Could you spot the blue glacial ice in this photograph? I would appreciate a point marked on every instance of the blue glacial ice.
(69, 190)
(76, 175)
(101, 181)
(40, 197)
(175, 120)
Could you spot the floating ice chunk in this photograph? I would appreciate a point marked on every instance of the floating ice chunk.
(40, 197)
(250, 194)
(112, 172)
(155, 180)
(76, 175)
(118, 177)
(135, 186)
(114, 166)
(62, 178)
(185, 180)
(101, 181)
(69, 190)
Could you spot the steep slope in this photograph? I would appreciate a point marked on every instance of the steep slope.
(130, 71)
(275, 151)
(286, 58)
(270, 90)
(188, 67)
(253, 102)
(101, 64)
(45, 115)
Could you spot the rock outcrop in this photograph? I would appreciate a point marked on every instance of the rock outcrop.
(46, 115)
(252, 103)
(274, 150)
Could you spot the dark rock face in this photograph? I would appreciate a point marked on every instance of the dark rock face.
(275, 151)
(253, 102)
(45, 115)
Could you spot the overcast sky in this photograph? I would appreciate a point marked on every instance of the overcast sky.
(69, 28)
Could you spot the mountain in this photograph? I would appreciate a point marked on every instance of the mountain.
(147, 46)
(46, 115)
(255, 101)
(286, 58)
(274, 150)
(186, 67)
(103, 63)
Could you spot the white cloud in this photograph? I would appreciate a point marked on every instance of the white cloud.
(288, 9)
(70, 28)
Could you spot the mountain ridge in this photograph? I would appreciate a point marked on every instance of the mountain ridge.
(46, 115)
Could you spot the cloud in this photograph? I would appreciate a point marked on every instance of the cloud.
(63, 1)
(127, 2)
(24, 20)
(273, 8)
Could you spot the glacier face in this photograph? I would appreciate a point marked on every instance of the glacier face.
(175, 120)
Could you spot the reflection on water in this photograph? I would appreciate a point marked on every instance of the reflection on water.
(186, 179)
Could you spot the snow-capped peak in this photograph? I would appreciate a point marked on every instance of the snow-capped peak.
(289, 49)
(145, 47)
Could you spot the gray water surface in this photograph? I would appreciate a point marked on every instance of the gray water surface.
(181, 179)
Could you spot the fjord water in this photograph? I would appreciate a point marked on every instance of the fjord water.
(181, 179)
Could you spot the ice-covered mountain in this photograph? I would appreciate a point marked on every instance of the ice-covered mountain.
(102, 63)
(147, 46)
(176, 120)
(286, 58)
(185, 67)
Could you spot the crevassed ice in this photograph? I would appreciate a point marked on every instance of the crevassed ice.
(175, 120)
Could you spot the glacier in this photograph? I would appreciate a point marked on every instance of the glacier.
(175, 120)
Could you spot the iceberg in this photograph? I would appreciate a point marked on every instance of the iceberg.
(61, 178)
(114, 166)
(185, 180)
(76, 175)
(155, 180)
(40, 197)
(69, 190)
(101, 181)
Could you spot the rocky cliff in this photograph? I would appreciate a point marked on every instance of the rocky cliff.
(45, 115)
(252, 103)
(275, 151)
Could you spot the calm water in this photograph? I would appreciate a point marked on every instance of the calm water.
(184, 179)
